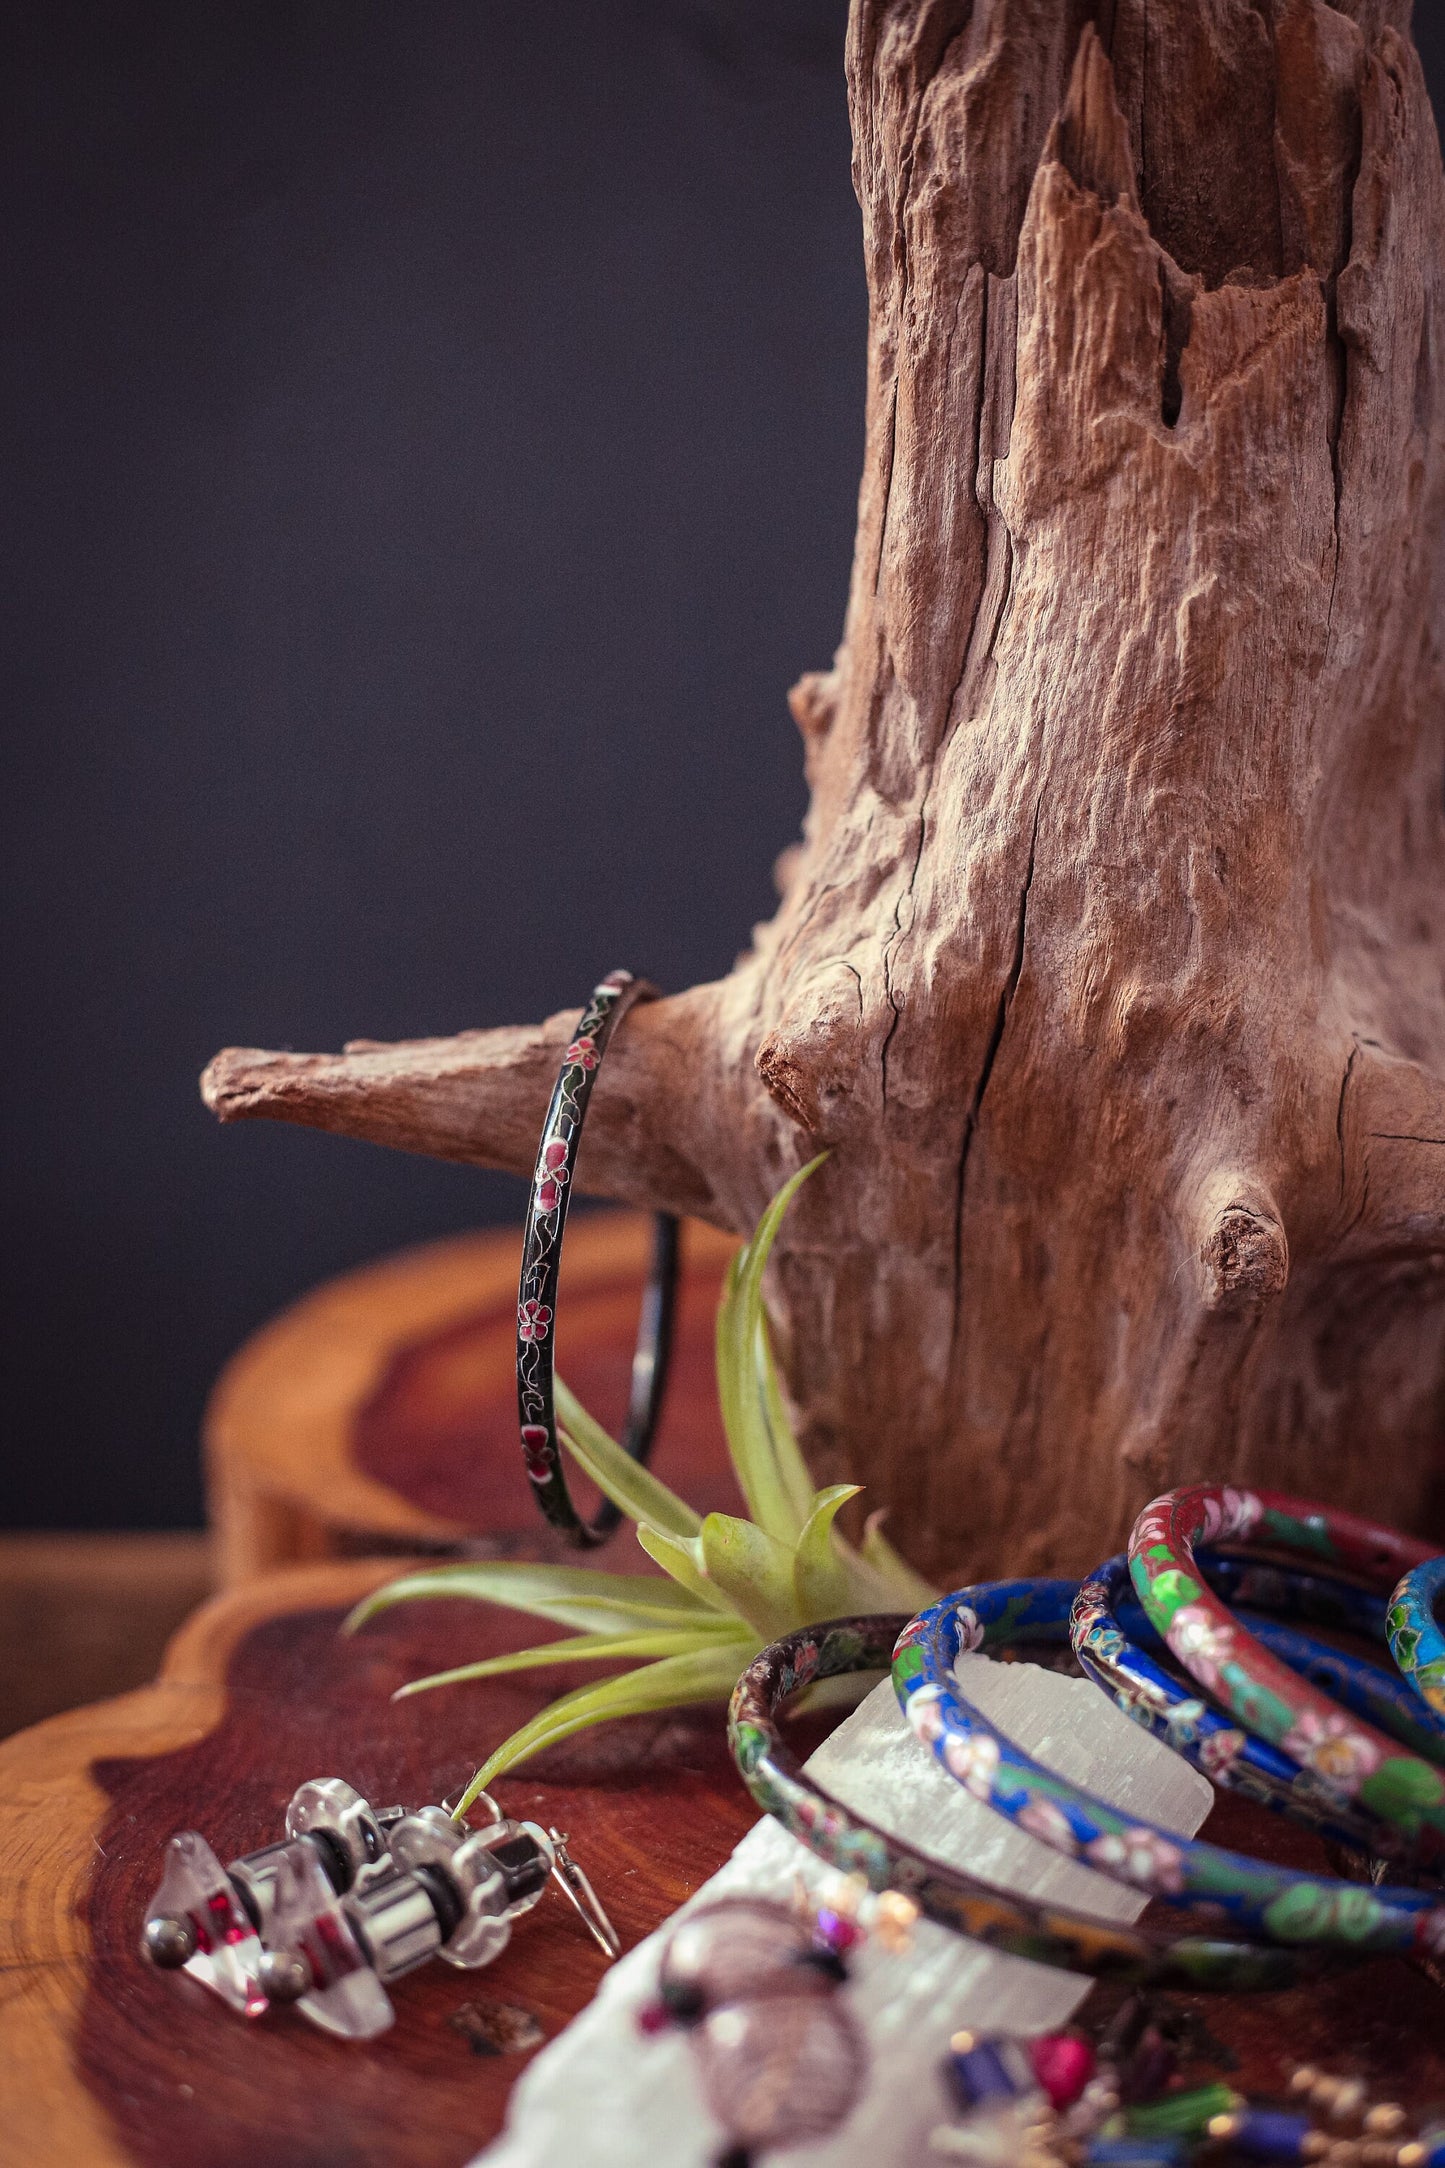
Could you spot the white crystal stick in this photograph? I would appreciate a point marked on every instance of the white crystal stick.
(603, 2097)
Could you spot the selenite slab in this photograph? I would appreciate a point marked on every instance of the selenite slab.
(602, 2096)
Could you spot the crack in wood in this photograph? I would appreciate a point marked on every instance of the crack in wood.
(995, 1041)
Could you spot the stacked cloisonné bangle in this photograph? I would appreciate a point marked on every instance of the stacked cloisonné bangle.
(542, 1255)
(1113, 1642)
(1352, 1759)
(1254, 1896)
(1416, 1641)
(1049, 1934)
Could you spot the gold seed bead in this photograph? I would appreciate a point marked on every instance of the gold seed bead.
(1223, 2127)
(894, 1919)
(1412, 2155)
(1315, 2145)
(1385, 2119)
(962, 2043)
(1349, 2098)
(1302, 2077)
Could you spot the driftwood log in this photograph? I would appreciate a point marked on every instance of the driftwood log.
(1111, 964)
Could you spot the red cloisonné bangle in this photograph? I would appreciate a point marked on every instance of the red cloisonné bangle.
(1346, 1755)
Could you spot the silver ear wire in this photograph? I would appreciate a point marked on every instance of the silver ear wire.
(577, 1888)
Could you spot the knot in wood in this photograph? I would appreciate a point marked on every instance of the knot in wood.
(1245, 1257)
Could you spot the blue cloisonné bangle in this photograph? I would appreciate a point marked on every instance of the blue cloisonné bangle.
(1119, 1650)
(1049, 1934)
(542, 1255)
(1416, 1642)
(1256, 1897)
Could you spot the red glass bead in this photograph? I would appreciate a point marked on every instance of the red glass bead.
(1063, 2064)
(653, 2017)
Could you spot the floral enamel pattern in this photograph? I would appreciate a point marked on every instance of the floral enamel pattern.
(1050, 1935)
(1347, 1755)
(1416, 1641)
(541, 1255)
(1128, 1672)
(1255, 1897)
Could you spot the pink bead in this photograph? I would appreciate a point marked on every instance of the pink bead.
(835, 1930)
(653, 2017)
(1063, 2064)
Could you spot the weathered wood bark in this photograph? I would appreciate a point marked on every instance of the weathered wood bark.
(1112, 961)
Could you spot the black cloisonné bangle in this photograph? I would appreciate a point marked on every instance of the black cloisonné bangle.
(541, 1256)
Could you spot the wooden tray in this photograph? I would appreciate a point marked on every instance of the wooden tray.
(102, 2062)
(381, 1409)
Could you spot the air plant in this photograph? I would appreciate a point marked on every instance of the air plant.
(731, 1585)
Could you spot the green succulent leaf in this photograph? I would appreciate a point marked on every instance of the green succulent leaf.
(823, 1587)
(569, 1595)
(673, 1682)
(681, 1557)
(727, 1584)
(787, 1453)
(765, 1453)
(699, 1639)
(752, 1570)
(631, 1488)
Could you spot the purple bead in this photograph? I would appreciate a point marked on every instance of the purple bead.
(835, 1930)
(782, 2069)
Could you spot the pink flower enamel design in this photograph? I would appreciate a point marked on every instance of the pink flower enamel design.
(1140, 1856)
(1333, 1748)
(924, 1716)
(1047, 1821)
(536, 1454)
(554, 1177)
(973, 1760)
(1200, 1642)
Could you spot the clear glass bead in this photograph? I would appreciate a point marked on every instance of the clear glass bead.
(196, 1888)
(346, 1997)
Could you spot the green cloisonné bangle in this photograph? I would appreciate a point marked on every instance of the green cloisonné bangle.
(1348, 1756)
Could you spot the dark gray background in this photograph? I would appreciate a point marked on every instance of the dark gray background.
(436, 431)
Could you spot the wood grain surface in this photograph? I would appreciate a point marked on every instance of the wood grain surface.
(104, 2063)
(92, 1612)
(381, 1410)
